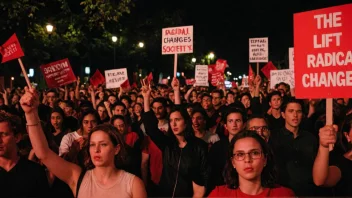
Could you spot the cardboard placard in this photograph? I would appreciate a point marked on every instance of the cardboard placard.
(177, 40)
(258, 50)
(284, 75)
(115, 77)
(58, 73)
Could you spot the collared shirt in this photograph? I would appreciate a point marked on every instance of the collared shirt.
(294, 159)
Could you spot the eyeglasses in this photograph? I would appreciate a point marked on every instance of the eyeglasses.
(259, 128)
(255, 154)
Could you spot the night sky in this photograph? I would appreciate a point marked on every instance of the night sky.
(224, 26)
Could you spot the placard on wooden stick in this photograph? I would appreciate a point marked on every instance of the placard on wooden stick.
(258, 51)
(177, 40)
(323, 55)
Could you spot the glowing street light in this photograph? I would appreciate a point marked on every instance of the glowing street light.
(49, 28)
(240, 77)
(194, 60)
(168, 77)
(140, 75)
(140, 44)
(114, 39)
(12, 78)
(211, 55)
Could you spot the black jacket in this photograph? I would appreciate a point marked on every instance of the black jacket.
(181, 167)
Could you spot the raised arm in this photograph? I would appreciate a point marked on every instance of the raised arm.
(323, 174)
(151, 122)
(77, 88)
(66, 171)
(175, 84)
(188, 94)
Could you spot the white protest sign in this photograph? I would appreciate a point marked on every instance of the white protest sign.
(291, 57)
(258, 50)
(201, 75)
(177, 40)
(245, 82)
(115, 77)
(283, 75)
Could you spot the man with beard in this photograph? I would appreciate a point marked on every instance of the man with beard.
(151, 154)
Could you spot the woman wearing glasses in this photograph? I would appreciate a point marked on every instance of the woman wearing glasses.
(250, 170)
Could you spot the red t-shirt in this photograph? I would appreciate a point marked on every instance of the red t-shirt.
(224, 191)
(155, 159)
(131, 138)
(155, 156)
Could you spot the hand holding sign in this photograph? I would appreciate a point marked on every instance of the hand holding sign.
(327, 135)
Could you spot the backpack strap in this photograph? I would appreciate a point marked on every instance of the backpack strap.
(80, 181)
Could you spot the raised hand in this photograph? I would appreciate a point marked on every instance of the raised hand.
(175, 84)
(146, 90)
(30, 101)
(258, 80)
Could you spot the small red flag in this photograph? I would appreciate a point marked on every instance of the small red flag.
(125, 84)
(11, 49)
(97, 78)
(267, 68)
(150, 77)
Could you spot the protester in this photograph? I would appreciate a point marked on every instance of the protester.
(106, 152)
(250, 169)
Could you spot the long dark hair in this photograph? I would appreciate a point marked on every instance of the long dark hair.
(64, 126)
(188, 132)
(268, 175)
(115, 138)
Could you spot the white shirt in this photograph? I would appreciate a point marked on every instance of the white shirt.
(67, 141)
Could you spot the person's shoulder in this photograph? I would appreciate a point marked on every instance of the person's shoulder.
(280, 191)
(199, 143)
(221, 191)
(30, 166)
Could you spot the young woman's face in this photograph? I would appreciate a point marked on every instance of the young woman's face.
(248, 159)
(102, 150)
(56, 120)
(177, 123)
(89, 122)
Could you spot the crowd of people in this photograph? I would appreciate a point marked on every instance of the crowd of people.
(172, 141)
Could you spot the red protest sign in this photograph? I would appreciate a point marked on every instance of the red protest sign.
(11, 49)
(267, 68)
(97, 78)
(323, 55)
(58, 73)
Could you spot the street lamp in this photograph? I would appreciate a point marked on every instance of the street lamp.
(114, 40)
(12, 79)
(140, 44)
(49, 28)
(87, 70)
(194, 60)
(240, 77)
(211, 55)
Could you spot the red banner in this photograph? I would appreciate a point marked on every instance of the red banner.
(97, 78)
(250, 75)
(11, 49)
(267, 68)
(58, 73)
(190, 81)
(323, 53)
